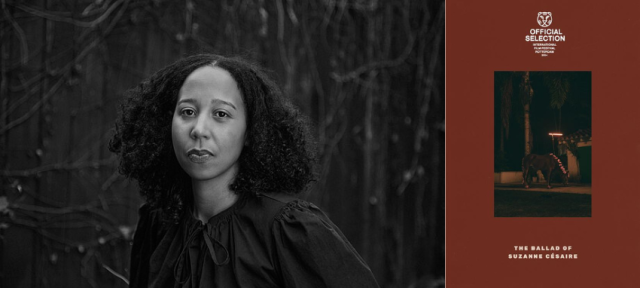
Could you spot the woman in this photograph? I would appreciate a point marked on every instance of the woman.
(218, 153)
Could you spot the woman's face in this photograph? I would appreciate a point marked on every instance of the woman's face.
(209, 124)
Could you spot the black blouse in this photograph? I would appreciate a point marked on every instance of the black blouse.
(267, 241)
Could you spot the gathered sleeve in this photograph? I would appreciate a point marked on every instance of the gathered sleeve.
(313, 252)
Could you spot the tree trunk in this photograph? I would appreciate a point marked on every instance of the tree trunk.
(502, 140)
(560, 119)
(528, 91)
(527, 131)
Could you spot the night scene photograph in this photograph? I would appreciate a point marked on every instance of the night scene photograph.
(542, 144)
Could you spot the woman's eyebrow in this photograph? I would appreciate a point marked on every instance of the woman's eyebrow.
(188, 100)
(213, 101)
(219, 101)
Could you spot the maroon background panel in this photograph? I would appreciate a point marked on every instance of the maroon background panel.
(488, 36)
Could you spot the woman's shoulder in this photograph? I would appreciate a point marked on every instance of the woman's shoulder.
(272, 207)
(311, 249)
(151, 221)
(148, 213)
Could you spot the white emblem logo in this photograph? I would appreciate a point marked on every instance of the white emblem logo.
(544, 19)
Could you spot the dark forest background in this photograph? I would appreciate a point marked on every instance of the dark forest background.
(369, 73)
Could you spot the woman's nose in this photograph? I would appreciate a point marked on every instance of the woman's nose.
(200, 128)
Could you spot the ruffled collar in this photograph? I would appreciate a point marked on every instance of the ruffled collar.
(194, 229)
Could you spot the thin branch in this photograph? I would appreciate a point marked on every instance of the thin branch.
(59, 167)
(19, 102)
(53, 17)
(114, 273)
(354, 74)
(56, 86)
(24, 49)
(34, 108)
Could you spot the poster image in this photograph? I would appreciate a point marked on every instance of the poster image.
(542, 134)
(585, 234)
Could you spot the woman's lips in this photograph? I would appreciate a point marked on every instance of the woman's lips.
(199, 156)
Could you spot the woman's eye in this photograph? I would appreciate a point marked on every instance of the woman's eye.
(187, 112)
(220, 114)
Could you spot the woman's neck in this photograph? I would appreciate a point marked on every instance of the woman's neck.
(211, 198)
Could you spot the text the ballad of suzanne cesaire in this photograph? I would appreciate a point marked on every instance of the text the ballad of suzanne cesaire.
(543, 252)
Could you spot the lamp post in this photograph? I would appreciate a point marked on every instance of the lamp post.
(553, 143)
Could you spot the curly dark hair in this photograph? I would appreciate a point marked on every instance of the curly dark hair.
(279, 155)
